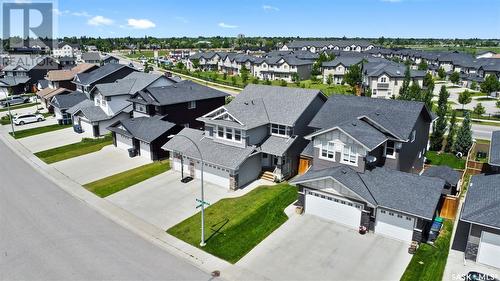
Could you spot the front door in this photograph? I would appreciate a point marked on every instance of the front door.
(95, 129)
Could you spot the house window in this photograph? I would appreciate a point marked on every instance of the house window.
(382, 211)
(413, 134)
(327, 151)
(192, 105)
(390, 150)
(383, 79)
(237, 135)
(229, 134)
(140, 107)
(350, 155)
(280, 130)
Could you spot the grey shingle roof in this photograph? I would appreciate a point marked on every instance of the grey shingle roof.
(405, 192)
(230, 157)
(129, 85)
(97, 74)
(392, 69)
(146, 129)
(326, 43)
(269, 100)
(344, 60)
(449, 175)
(95, 113)
(67, 101)
(482, 202)
(180, 92)
(308, 150)
(277, 145)
(91, 56)
(14, 81)
(495, 149)
(366, 134)
(396, 116)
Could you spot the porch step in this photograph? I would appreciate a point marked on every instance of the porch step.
(267, 175)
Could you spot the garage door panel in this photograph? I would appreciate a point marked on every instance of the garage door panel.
(123, 142)
(394, 225)
(489, 249)
(331, 208)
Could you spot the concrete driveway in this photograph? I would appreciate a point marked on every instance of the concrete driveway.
(309, 248)
(164, 201)
(50, 140)
(93, 166)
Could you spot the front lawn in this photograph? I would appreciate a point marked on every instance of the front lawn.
(429, 261)
(112, 184)
(447, 159)
(39, 130)
(74, 150)
(18, 106)
(234, 226)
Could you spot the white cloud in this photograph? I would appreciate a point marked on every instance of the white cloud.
(270, 8)
(81, 14)
(58, 12)
(99, 20)
(140, 23)
(225, 25)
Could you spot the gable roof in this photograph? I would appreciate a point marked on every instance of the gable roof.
(48, 93)
(129, 85)
(495, 149)
(68, 74)
(219, 154)
(98, 74)
(14, 80)
(68, 100)
(146, 129)
(397, 117)
(482, 202)
(91, 56)
(181, 92)
(409, 193)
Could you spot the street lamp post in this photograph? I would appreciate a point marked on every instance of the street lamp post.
(10, 115)
(202, 203)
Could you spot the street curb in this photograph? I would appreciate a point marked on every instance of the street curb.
(129, 221)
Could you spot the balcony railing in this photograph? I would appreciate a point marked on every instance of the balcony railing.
(382, 85)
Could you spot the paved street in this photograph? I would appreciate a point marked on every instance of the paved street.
(46, 234)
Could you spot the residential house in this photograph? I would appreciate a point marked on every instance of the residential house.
(22, 72)
(480, 219)
(338, 67)
(144, 136)
(206, 60)
(92, 57)
(384, 79)
(494, 157)
(109, 103)
(110, 59)
(250, 135)
(61, 103)
(63, 49)
(108, 73)
(316, 46)
(282, 68)
(67, 62)
(363, 157)
(64, 78)
(181, 102)
(448, 174)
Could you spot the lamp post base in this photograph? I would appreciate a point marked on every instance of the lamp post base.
(202, 244)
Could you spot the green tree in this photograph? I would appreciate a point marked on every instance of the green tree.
(353, 77)
(329, 79)
(233, 80)
(224, 76)
(244, 72)
(439, 128)
(441, 73)
(452, 131)
(490, 84)
(296, 78)
(267, 82)
(464, 98)
(179, 65)
(255, 80)
(427, 98)
(404, 91)
(463, 142)
(283, 83)
(473, 85)
(455, 77)
(423, 65)
(195, 63)
(479, 110)
(428, 82)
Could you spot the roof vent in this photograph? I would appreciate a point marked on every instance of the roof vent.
(398, 72)
(377, 113)
(343, 172)
(354, 124)
(246, 103)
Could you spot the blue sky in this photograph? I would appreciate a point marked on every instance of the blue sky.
(314, 18)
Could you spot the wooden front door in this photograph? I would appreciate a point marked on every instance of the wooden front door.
(304, 164)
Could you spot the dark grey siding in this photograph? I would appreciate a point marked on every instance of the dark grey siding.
(249, 170)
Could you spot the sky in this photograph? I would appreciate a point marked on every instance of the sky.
(312, 18)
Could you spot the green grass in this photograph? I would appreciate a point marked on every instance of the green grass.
(233, 226)
(447, 159)
(146, 54)
(40, 130)
(18, 106)
(478, 94)
(488, 123)
(481, 141)
(112, 184)
(486, 99)
(74, 150)
(428, 263)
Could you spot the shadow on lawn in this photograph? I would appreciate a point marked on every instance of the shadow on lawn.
(216, 231)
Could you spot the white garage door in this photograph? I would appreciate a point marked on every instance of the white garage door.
(87, 128)
(394, 225)
(123, 142)
(211, 177)
(329, 207)
(489, 249)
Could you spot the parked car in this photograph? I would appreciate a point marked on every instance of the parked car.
(15, 100)
(28, 118)
(478, 276)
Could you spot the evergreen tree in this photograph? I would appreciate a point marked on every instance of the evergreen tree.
(439, 128)
(441, 73)
(428, 82)
(455, 77)
(452, 131)
(490, 84)
(479, 110)
(244, 72)
(329, 79)
(463, 141)
(404, 91)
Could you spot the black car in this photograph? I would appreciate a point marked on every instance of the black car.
(478, 276)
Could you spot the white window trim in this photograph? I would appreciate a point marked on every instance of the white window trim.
(393, 156)
(287, 130)
(321, 151)
(356, 155)
(192, 104)
(413, 135)
(225, 130)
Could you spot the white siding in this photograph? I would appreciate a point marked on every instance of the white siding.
(145, 150)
